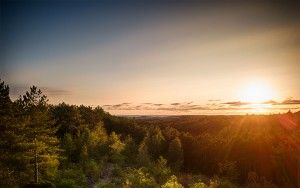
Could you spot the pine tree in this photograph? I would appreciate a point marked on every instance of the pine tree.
(13, 162)
(143, 158)
(68, 146)
(98, 142)
(155, 141)
(175, 154)
(130, 150)
(40, 143)
(83, 141)
(160, 170)
(116, 146)
(10, 156)
(5, 102)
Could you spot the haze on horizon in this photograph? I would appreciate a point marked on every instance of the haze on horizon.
(143, 58)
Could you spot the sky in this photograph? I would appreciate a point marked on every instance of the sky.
(155, 58)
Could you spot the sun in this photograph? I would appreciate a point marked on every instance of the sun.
(257, 92)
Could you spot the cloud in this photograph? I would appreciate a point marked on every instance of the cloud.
(236, 103)
(214, 100)
(291, 101)
(190, 107)
(148, 103)
(126, 103)
(179, 107)
(187, 106)
(16, 90)
(271, 102)
(285, 102)
(55, 92)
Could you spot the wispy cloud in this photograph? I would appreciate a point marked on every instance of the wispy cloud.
(16, 90)
(291, 101)
(236, 103)
(190, 107)
(55, 92)
(185, 106)
(270, 102)
(214, 100)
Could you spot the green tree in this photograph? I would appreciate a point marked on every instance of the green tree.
(40, 143)
(143, 158)
(89, 116)
(98, 141)
(130, 151)
(116, 146)
(66, 118)
(83, 141)
(175, 154)
(160, 170)
(5, 102)
(156, 142)
(68, 146)
(11, 155)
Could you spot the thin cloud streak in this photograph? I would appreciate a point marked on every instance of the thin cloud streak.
(236, 103)
(17, 90)
(291, 101)
(190, 107)
(271, 102)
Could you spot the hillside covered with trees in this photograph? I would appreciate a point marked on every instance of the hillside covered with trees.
(79, 146)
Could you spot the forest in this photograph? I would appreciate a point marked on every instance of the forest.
(64, 146)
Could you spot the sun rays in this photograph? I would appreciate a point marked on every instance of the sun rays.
(257, 92)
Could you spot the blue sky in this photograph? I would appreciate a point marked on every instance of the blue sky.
(104, 53)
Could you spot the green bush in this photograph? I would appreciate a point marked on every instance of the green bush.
(138, 178)
(172, 183)
(70, 177)
(198, 185)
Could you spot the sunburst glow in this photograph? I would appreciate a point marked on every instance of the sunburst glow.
(257, 92)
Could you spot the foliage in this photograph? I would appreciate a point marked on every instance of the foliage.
(70, 177)
(172, 183)
(228, 170)
(175, 154)
(33, 146)
(198, 185)
(143, 157)
(138, 178)
(221, 183)
(40, 145)
(160, 170)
